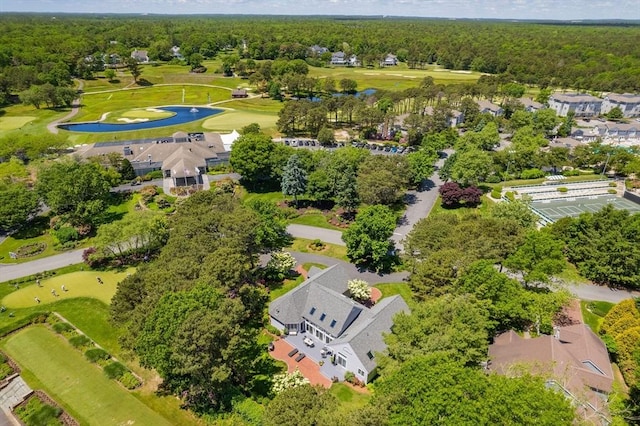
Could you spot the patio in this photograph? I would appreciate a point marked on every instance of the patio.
(327, 369)
(307, 366)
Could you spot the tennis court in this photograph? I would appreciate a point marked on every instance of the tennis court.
(552, 210)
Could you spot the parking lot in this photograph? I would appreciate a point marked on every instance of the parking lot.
(375, 148)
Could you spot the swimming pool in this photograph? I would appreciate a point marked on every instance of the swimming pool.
(182, 114)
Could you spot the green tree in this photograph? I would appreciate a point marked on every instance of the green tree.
(18, 204)
(253, 128)
(436, 390)
(421, 165)
(538, 257)
(138, 232)
(134, 68)
(294, 178)
(251, 156)
(346, 192)
(304, 405)
(110, 74)
(517, 210)
(348, 86)
(615, 114)
(454, 327)
(382, 179)
(367, 238)
(78, 191)
(326, 136)
(126, 170)
(471, 167)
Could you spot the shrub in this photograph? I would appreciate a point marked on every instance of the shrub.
(96, 354)
(79, 341)
(148, 192)
(359, 290)
(37, 413)
(612, 191)
(613, 184)
(573, 172)
(115, 370)
(5, 370)
(531, 174)
(62, 327)
(510, 196)
(349, 376)
(563, 189)
(156, 174)
(494, 179)
(271, 329)
(33, 249)
(129, 381)
(471, 195)
(66, 234)
(496, 193)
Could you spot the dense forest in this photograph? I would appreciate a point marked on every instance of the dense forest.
(39, 49)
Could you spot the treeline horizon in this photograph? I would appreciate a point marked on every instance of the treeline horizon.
(556, 55)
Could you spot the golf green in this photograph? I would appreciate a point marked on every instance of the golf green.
(76, 284)
(54, 365)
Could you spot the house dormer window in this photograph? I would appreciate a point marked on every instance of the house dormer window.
(312, 311)
(370, 355)
(333, 323)
(323, 316)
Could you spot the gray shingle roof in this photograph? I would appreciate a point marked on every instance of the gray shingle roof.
(366, 335)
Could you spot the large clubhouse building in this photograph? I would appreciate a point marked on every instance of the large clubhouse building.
(183, 158)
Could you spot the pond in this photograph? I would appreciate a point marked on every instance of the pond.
(181, 115)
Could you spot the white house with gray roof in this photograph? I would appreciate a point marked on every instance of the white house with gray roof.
(627, 102)
(582, 105)
(320, 308)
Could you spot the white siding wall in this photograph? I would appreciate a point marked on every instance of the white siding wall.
(353, 362)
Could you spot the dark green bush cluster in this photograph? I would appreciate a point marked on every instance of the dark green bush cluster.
(37, 413)
(496, 193)
(129, 381)
(66, 234)
(97, 354)
(80, 341)
(115, 370)
(62, 327)
(5, 370)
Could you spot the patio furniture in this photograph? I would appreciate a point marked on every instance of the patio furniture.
(300, 357)
(307, 341)
(293, 352)
(270, 347)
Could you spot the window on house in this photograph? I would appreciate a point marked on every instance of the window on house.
(333, 323)
(323, 316)
(312, 311)
(370, 355)
(342, 360)
(360, 372)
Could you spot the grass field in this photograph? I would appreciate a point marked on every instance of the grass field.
(12, 123)
(236, 119)
(50, 363)
(391, 289)
(350, 399)
(77, 284)
(483, 209)
(593, 313)
(331, 250)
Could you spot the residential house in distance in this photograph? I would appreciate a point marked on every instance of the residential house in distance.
(320, 310)
(140, 56)
(530, 105)
(608, 132)
(454, 120)
(581, 104)
(573, 361)
(627, 102)
(341, 59)
(316, 50)
(175, 52)
(389, 61)
(239, 93)
(489, 107)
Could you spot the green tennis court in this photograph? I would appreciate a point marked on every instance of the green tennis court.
(572, 207)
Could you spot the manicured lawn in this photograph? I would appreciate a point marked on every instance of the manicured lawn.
(50, 363)
(78, 284)
(483, 209)
(331, 250)
(594, 313)
(349, 399)
(94, 105)
(314, 218)
(391, 289)
(309, 265)
(12, 123)
(285, 287)
(36, 232)
(236, 119)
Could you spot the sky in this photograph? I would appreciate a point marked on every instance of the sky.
(501, 9)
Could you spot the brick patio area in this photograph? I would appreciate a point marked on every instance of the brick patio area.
(307, 366)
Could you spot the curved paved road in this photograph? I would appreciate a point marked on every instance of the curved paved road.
(419, 203)
(311, 233)
(75, 109)
(18, 270)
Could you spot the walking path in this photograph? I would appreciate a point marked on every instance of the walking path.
(75, 109)
(19, 270)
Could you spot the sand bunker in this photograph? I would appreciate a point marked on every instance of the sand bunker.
(132, 120)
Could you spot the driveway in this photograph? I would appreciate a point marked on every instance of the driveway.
(19, 270)
(311, 233)
(419, 203)
(603, 293)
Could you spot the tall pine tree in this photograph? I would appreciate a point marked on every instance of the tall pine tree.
(294, 178)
